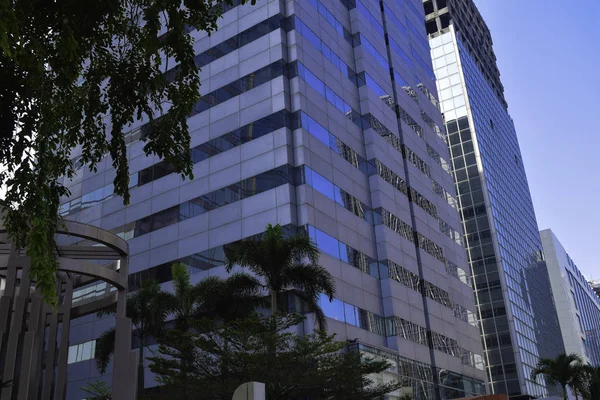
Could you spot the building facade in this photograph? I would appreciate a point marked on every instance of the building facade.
(511, 284)
(577, 304)
(595, 284)
(319, 115)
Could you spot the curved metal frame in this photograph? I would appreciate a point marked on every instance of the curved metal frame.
(29, 329)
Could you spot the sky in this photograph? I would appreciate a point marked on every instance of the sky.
(548, 54)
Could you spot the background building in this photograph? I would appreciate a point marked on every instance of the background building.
(577, 304)
(518, 322)
(596, 286)
(320, 115)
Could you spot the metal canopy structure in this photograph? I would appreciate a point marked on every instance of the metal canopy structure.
(34, 337)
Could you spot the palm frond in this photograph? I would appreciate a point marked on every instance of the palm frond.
(245, 253)
(243, 284)
(181, 279)
(312, 303)
(300, 247)
(311, 278)
(148, 308)
(108, 311)
(105, 347)
(236, 296)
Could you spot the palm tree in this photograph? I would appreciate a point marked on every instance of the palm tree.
(592, 390)
(284, 264)
(564, 370)
(213, 297)
(580, 380)
(147, 313)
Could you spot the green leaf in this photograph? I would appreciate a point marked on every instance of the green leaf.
(74, 76)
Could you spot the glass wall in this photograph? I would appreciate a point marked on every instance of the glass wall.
(510, 279)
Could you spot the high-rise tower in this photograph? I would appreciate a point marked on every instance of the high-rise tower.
(577, 304)
(518, 319)
(319, 115)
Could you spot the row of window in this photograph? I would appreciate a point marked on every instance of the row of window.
(442, 297)
(314, 39)
(197, 262)
(396, 326)
(330, 18)
(359, 80)
(431, 123)
(227, 92)
(416, 161)
(81, 352)
(376, 217)
(399, 52)
(233, 43)
(430, 247)
(326, 137)
(221, 7)
(380, 216)
(406, 87)
(230, 140)
(207, 202)
(421, 372)
(235, 88)
(327, 244)
(377, 27)
(459, 273)
(387, 269)
(389, 176)
(91, 292)
(414, 282)
(451, 347)
(359, 39)
(369, 121)
(431, 97)
(439, 159)
(352, 315)
(408, 120)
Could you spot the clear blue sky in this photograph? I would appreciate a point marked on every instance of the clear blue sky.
(549, 58)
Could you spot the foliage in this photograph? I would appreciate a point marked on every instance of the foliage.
(591, 384)
(76, 74)
(564, 370)
(98, 390)
(212, 359)
(285, 264)
(147, 311)
(212, 297)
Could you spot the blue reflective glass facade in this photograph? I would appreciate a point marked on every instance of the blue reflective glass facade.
(510, 280)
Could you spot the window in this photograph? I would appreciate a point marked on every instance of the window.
(333, 309)
(81, 352)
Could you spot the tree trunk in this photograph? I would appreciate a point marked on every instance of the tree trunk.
(273, 301)
(140, 372)
(272, 349)
(564, 388)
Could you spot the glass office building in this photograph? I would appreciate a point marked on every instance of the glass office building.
(577, 304)
(319, 115)
(517, 317)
